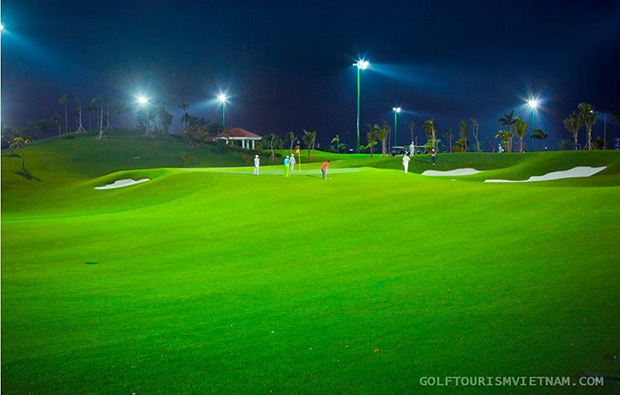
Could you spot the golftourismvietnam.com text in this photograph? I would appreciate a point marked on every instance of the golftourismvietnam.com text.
(508, 381)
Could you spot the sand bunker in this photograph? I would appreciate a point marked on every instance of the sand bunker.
(575, 172)
(123, 183)
(458, 172)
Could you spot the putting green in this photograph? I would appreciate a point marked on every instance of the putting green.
(218, 281)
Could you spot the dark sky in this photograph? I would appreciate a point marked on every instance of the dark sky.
(288, 65)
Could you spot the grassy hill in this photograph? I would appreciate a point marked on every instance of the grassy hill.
(508, 165)
(83, 156)
(216, 281)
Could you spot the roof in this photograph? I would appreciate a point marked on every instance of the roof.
(238, 133)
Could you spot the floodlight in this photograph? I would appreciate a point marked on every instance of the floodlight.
(362, 64)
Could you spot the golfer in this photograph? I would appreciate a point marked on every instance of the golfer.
(286, 166)
(324, 169)
(406, 160)
(256, 165)
(434, 156)
(292, 163)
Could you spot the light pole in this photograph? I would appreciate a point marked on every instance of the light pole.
(223, 99)
(396, 112)
(144, 101)
(361, 65)
(533, 103)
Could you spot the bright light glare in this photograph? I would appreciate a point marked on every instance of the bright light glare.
(142, 100)
(362, 64)
(533, 103)
(222, 98)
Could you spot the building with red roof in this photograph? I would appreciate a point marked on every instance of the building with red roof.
(246, 139)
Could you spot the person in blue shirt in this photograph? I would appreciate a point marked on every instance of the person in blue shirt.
(287, 168)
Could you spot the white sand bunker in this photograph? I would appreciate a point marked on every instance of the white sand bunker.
(575, 172)
(123, 183)
(458, 172)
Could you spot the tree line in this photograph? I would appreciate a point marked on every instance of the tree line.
(79, 118)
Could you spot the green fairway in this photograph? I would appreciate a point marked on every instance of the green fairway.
(211, 280)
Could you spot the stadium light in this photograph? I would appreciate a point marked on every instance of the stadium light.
(143, 101)
(361, 64)
(223, 99)
(396, 112)
(534, 104)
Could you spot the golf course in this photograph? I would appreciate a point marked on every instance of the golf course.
(206, 279)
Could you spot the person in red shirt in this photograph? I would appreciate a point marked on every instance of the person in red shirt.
(324, 169)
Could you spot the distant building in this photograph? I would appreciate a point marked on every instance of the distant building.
(247, 140)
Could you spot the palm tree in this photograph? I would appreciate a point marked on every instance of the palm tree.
(411, 128)
(98, 102)
(80, 128)
(290, 138)
(313, 140)
(336, 142)
(184, 106)
(75, 113)
(508, 120)
(20, 143)
(8, 134)
(572, 123)
(371, 138)
(309, 139)
(108, 118)
(165, 118)
(464, 133)
(385, 142)
(55, 120)
(43, 125)
(538, 134)
(272, 141)
(381, 133)
(431, 134)
(90, 107)
(449, 136)
(63, 101)
(119, 109)
(474, 131)
(588, 119)
(506, 136)
(520, 130)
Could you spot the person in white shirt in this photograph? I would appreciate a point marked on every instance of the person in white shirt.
(256, 165)
(292, 163)
(406, 160)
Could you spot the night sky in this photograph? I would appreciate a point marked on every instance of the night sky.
(288, 65)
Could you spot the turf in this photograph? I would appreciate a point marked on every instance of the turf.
(216, 281)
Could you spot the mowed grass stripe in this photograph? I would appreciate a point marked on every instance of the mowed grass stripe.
(368, 281)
